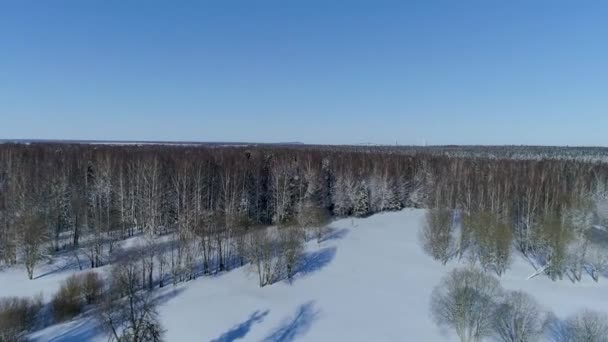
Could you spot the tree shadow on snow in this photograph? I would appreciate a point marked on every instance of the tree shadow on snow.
(84, 330)
(315, 261)
(298, 325)
(64, 266)
(86, 327)
(335, 234)
(556, 330)
(239, 331)
(167, 294)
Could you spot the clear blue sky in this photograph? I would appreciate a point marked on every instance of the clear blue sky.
(444, 72)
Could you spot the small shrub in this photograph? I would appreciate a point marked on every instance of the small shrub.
(17, 315)
(68, 301)
(75, 292)
(92, 287)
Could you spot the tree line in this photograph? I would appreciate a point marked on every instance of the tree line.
(206, 201)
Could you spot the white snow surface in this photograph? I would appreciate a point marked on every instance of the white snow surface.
(369, 281)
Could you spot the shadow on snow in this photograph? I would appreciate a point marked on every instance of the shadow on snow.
(65, 264)
(240, 330)
(87, 327)
(84, 330)
(335, 234)
(315, 261)
(293, 327)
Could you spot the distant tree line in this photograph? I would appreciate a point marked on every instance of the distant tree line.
(206, 200)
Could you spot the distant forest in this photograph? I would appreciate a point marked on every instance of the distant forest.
(60, 196)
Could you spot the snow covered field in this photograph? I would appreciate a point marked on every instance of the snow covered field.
(369, 281)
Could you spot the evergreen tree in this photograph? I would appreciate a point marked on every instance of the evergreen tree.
(361, 207)
(393, 201)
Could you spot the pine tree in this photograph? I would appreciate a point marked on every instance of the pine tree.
(393, 201)
(361, 207)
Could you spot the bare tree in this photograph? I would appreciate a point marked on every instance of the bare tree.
(597, 260)
(343, 193)
(148, 252)
(129, 313)
(600, 202)
(436, 235)
(579, 221)
(292, 248)
(577, 255)
(551, 245)
(518, 318)
(312, 216)
(161, 259)
(32, 239)
(464, 301)
(491, 240)
(588, 326)
(282, 176)
(241, 224)
(262, 254)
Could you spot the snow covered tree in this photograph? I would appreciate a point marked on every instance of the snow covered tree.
(343, 194)
(394, 202)
(421, 185)
(361, 206)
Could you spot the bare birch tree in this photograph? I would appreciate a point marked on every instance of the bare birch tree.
(464, 301)
(518, 318)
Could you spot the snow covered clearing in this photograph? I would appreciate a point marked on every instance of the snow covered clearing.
(368, 281)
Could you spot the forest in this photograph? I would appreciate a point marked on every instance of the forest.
(206, 209)
(62, 196)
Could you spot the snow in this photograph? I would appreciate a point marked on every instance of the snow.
(369, 281)
(351, 292)
(47, 278)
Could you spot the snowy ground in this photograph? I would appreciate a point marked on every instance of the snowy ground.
(369, 281)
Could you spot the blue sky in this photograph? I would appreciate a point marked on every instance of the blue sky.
(338, 72)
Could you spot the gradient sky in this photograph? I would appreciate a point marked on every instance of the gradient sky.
(339, 72)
